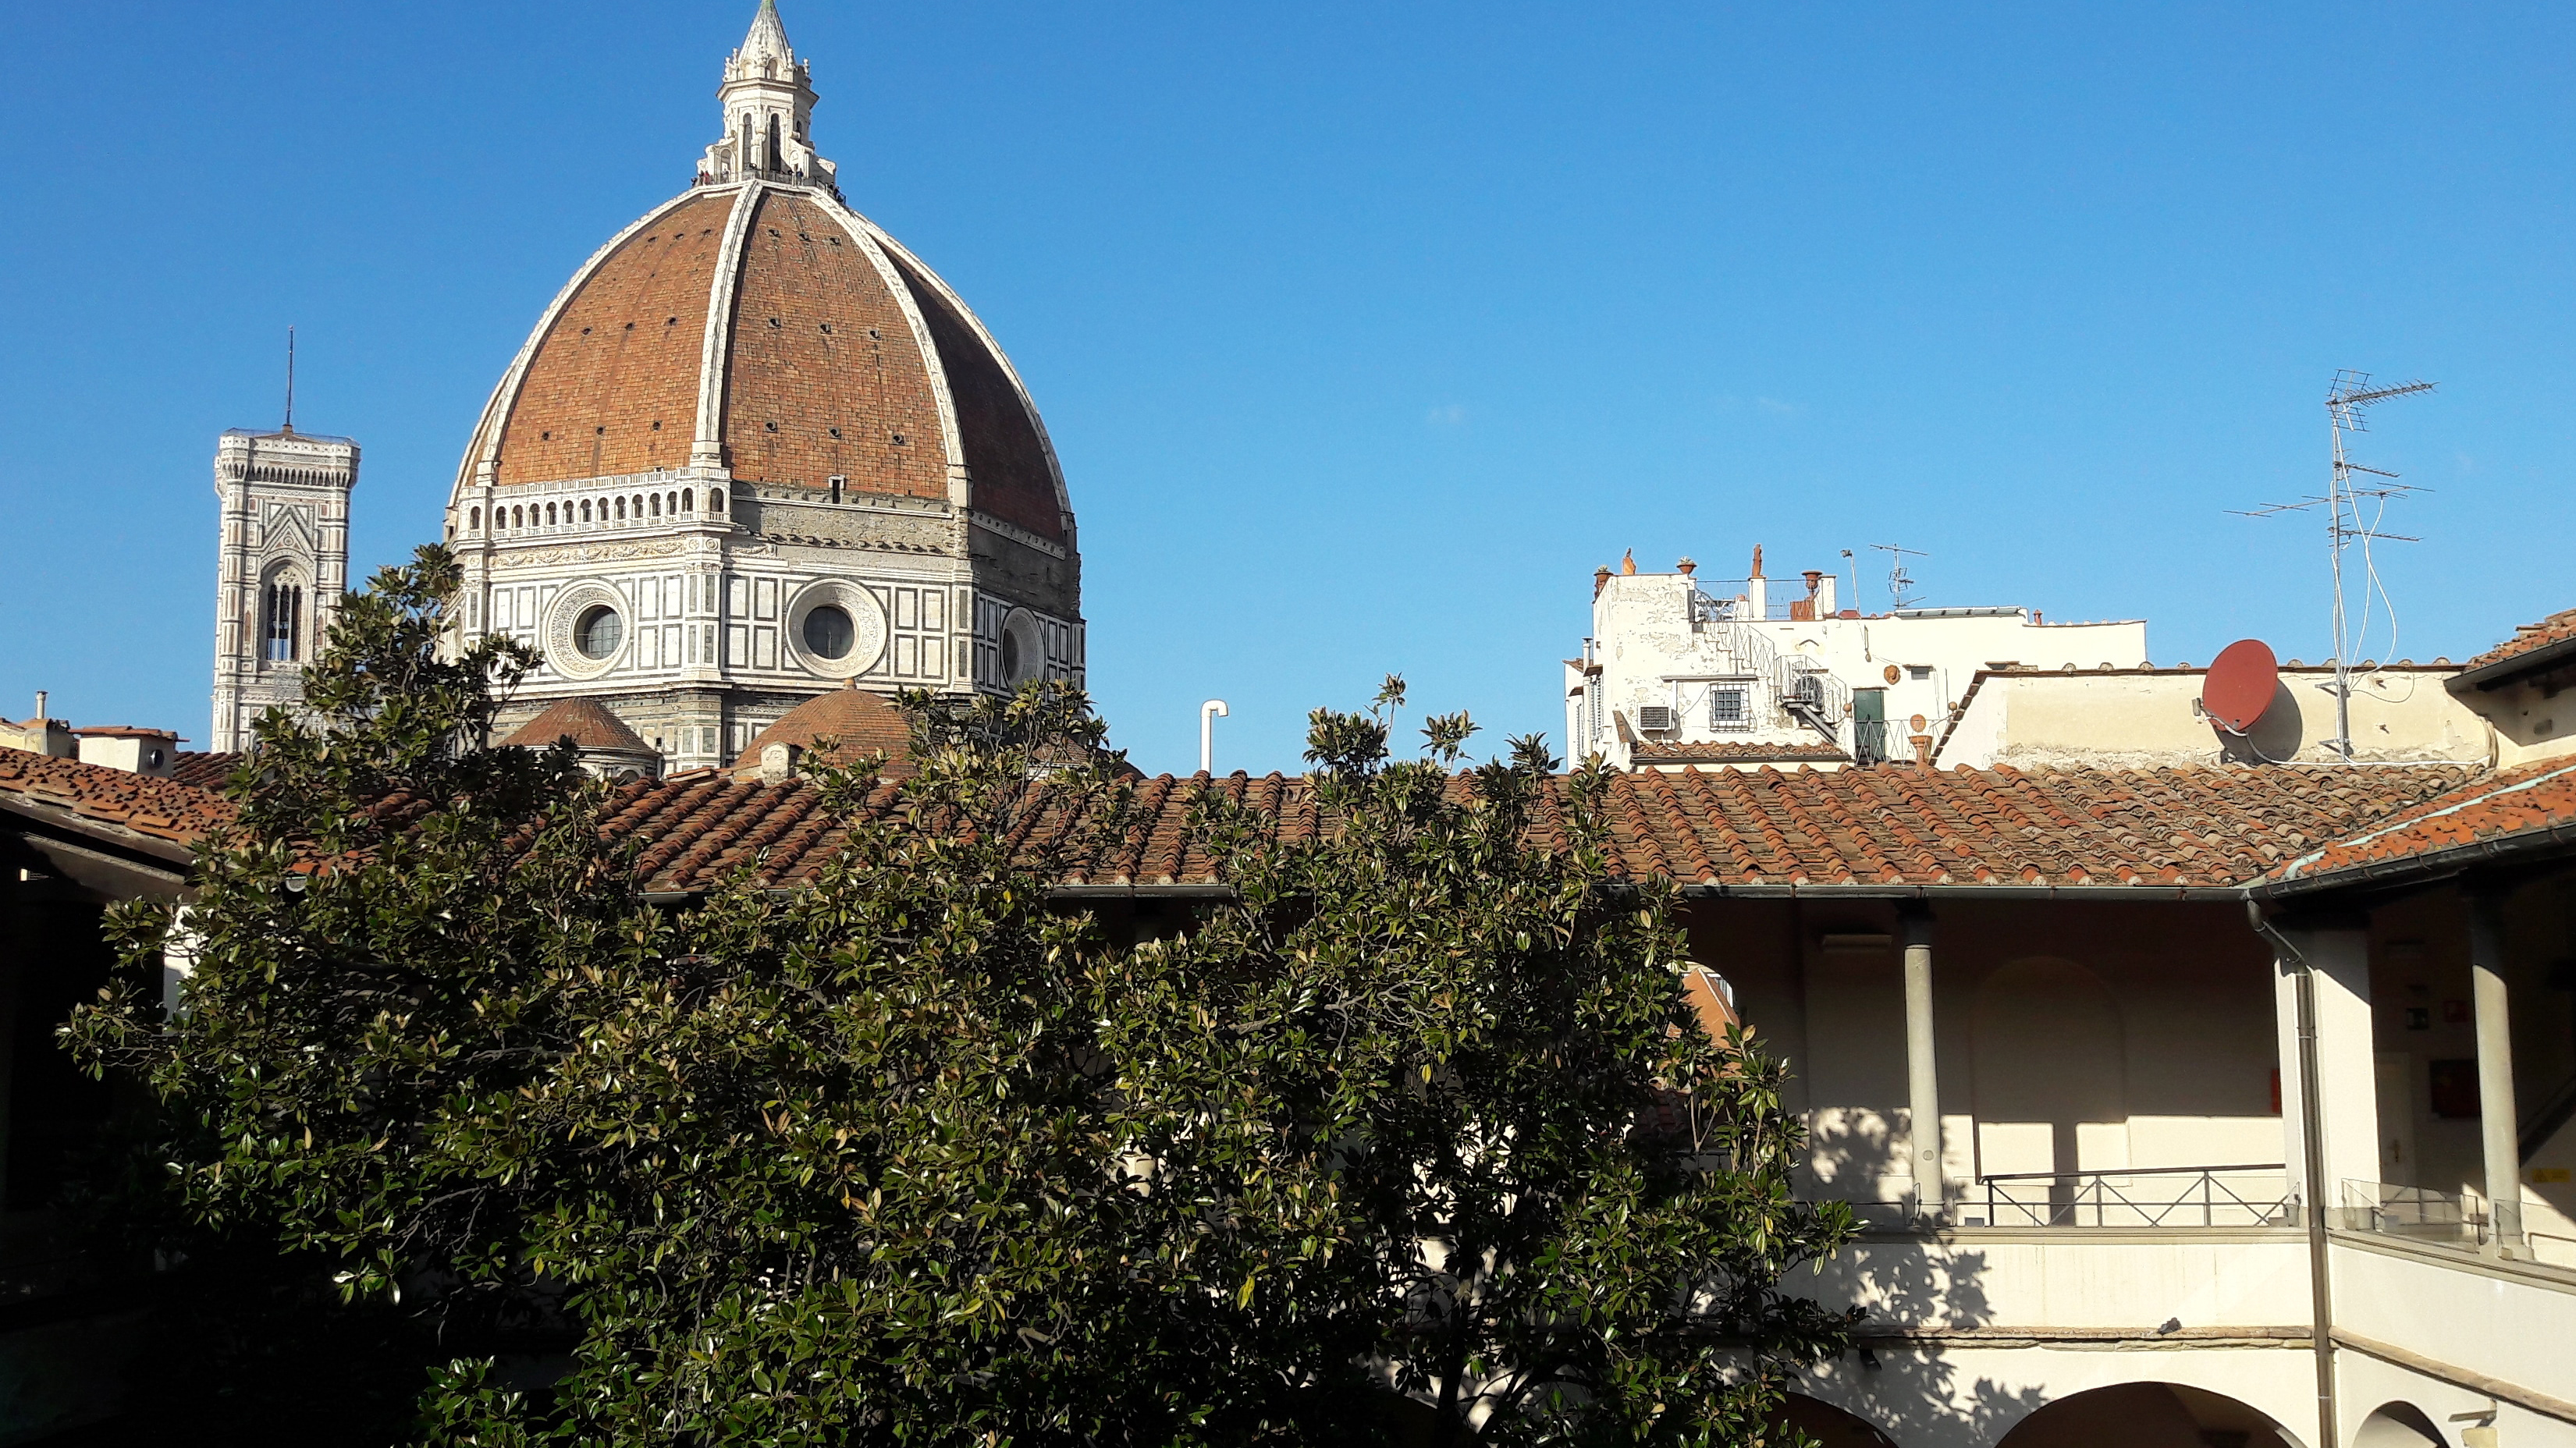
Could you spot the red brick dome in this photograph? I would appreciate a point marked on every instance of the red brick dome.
(857, 721)
(763, 326)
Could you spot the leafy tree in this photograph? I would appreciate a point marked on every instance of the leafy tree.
(915, 1154)
(1431, 1079)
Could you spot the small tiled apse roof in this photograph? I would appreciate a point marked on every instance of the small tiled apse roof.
(586, 722)
(854, 719)
(771, 327)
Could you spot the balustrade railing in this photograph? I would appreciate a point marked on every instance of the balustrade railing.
(2425, 1215)
(2182, 1196)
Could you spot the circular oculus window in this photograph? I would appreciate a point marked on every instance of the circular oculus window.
(1023, 649)
(598, 632)
(836, 628)
(828, 632)
(585, 631)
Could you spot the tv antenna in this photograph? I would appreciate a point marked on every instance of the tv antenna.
(290, 377)
(1899, 582)
(2344, 502)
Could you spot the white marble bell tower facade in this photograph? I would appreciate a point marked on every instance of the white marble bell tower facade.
(282, 563)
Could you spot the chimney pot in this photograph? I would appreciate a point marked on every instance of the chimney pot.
(1686, 568)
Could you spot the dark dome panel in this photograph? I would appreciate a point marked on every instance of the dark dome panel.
(1005, 455)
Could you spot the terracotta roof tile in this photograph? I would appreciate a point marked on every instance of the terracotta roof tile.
(585, 721)
(2207, 826)
(1734, 751)
(2202, 826)
(855, 719)
(162, 808)
(2559, 627)
(2516, 804)
(206, 771)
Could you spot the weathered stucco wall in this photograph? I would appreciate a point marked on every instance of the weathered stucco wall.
(2144, 717)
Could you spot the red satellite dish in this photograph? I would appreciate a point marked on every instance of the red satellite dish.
(2241, 683)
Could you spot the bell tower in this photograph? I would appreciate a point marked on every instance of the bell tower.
(282, 564)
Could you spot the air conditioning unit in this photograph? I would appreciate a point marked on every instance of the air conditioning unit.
(1655, 718)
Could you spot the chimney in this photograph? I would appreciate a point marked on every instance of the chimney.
(1922, 749)
(1757, 560)
(1823, 585)
(1628, 561)
(40, 706)
(122, 746)
(1600, 579)
(1686, 568)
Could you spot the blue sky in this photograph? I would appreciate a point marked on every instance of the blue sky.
(1366, 332)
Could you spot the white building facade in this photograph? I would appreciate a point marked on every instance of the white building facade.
(1681, 669)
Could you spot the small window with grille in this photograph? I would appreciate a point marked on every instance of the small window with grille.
(1726, 709)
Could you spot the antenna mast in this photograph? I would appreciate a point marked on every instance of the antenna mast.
(1899, 582)
(2349, 393)
(290, 377)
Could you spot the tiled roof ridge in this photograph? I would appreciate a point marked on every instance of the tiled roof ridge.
(163, 809)
(2484, 793)
(2195, 826)
(2557, 628)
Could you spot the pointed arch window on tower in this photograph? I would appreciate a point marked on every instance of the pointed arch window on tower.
(773, 158)
(281, 620)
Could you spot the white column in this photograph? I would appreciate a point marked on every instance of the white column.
(2499, 1126)
(2338, 950)
(1922, 1077)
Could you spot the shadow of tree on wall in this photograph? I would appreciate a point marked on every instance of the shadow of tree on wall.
(1851, 1157)
(1909, 1390)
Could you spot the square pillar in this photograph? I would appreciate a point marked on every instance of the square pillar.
(2337, 950)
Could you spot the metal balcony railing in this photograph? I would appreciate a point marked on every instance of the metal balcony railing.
(2424, 1215)
(2180, 1196)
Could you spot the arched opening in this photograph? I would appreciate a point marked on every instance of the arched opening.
(518, 519)
(2051, 1085)
(550, 515)
(621, 510)
(281, 618)
(2398, 1425)
(688, 500)
(1830, 1426)
(715, 500)
(775, 161)
(474, 520)
(656, 506)
(2148, 1415)
(585, 510)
